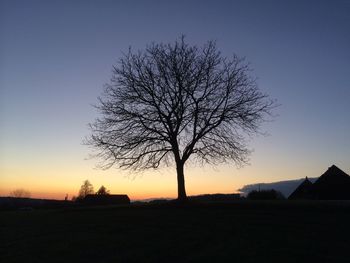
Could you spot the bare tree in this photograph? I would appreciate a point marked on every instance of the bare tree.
(102, 191)
(85, 189)
(171, 102)
(20, 193)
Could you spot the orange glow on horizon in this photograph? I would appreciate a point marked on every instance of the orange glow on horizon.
(55, 181)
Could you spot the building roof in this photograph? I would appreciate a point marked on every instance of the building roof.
(106, 199)
(334, 184)
(303, 191)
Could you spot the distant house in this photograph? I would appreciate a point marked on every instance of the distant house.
(334, 184)
(285, 187)
(303, 191)
(106, 199)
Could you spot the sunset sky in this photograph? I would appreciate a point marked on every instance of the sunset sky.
(55, 57)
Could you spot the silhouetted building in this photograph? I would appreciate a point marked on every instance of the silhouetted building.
(303, 191)
(334, 184)
(106, 199)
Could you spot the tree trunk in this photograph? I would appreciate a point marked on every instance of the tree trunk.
(181, 192)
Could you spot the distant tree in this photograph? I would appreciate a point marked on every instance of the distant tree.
(176, 101)
(20, 193)
(102, 191)
(86, 189)
(265, 195)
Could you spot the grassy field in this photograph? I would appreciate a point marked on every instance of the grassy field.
(240, 232)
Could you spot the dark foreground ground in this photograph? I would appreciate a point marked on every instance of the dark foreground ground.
(240, 232)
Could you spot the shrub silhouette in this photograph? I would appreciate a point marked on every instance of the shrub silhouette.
(102, 191)
(20, 193)
(85, 189)
(265, 195)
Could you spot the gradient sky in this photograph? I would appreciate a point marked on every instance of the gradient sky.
(55, 57)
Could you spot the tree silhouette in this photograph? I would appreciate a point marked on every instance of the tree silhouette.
(20, 193)
(171, 102)
(102, 191)
(85, 189)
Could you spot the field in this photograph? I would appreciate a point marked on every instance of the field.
(244, 231)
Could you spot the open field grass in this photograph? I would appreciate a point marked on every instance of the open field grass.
(239, 232)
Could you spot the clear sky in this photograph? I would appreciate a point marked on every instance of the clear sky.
(55, 57)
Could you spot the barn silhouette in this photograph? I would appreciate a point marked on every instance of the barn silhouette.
(109, 199)
(334, 184)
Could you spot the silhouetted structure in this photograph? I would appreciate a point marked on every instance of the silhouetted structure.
(334, 184)
(285, 187)
(106, 199)
(303, 191)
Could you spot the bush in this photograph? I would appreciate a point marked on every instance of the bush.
(265, 195)
(20, 193)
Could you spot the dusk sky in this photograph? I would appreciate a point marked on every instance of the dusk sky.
(55, 57)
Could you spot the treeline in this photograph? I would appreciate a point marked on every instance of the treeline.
(88, 189)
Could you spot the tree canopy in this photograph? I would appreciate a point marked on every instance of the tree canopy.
(85, 189)
(102, 191)
(171, 102)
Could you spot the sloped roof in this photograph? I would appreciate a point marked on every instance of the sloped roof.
(303, 191)
(333, 173)
(334, 184)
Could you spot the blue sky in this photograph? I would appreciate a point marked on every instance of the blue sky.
(55, 57)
